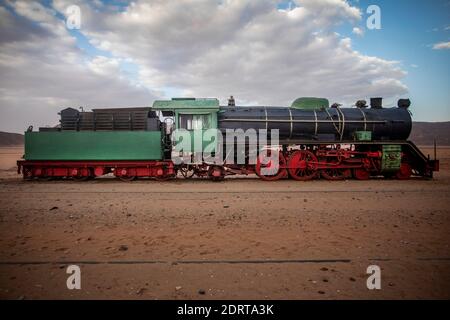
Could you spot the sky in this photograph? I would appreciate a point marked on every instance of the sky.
(263, 52)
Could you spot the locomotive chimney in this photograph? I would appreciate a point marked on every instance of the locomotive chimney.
(376, 103)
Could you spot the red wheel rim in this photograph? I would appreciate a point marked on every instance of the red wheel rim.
(278, 171)
(216, 173)
(404, 172)
(361, 174)
(27, 173)
(302, 165)
(335, 173)
(125, 175)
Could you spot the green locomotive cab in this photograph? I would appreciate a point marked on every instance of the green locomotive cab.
(191, 127)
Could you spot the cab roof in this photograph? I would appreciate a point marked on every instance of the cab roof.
(186, 103)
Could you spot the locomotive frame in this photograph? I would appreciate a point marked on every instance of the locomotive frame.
(134, 154)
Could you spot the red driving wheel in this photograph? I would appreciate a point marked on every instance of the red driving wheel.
(302, 165)
(333, 173)
(269, 170)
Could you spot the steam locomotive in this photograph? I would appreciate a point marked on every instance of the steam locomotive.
(315, 140)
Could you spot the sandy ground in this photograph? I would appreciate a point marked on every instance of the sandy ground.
(238, 239)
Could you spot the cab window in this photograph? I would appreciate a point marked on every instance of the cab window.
(194, 121)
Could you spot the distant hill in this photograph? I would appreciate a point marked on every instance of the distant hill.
(10, 139)
(423, 133)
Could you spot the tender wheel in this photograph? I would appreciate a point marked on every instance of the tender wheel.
(27, 173)
(125, 174)
(80, 178)
(268, 170)
(302, 165)
(162, 174)
(45, 178)
(127, 178)
(361, 174)
(405, 171)
(84, 174)
(46, 175)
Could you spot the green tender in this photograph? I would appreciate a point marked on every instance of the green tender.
(392, 158)
(93, 145)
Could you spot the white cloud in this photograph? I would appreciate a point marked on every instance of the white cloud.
(105, 66)
(205, 48)
(245, 48)
(43, 70)
(336, 10)
(34, 11)
(358, 31)
(441, 45)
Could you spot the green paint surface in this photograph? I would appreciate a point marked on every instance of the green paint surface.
(363, 135)
(192, 106)
(392, 158)
(310, 103)
(93, 145)
(180, 103)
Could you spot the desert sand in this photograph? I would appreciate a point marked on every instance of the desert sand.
(238, 239)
